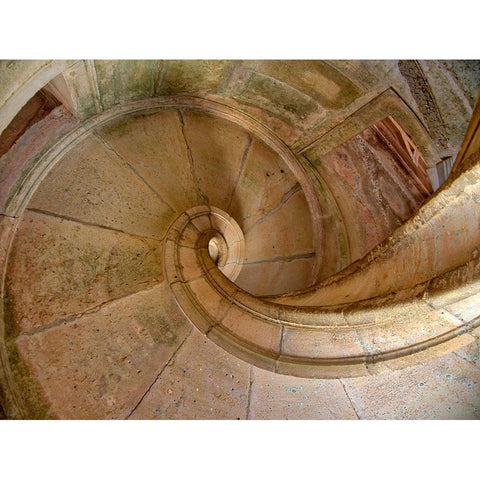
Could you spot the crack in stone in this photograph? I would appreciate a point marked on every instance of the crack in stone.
(168, 363)
(240, 170)
(134, 170)
(292, 258)
(296, 188)
(249, 396)
(204, 198)
(76, 316)
(92, 224)
(471, 362)
(350, 400)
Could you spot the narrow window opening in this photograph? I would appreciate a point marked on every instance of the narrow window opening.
(36, 109)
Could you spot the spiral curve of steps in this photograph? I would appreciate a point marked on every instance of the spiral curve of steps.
(180, 219)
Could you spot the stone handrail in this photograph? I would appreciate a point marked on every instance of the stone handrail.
(376, 310)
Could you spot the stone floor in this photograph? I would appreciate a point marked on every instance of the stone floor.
(202, 381)
(138, 357)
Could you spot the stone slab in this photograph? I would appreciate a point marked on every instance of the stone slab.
(467, 309)
(93, 185)
(281, 397)
(264, 180)
(201, 382)
(444, 388)
(246, 327)
(284, 231)
(404, 325)
(59, 268)
(100, 365)
(319, 80)
(154, 145)
(471, 352)
(443, 298)
(123, 80)
(188, 76)
(273, 278)
(218, 148)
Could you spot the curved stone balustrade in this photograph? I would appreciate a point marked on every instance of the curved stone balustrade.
(332, 340)
(443, 235)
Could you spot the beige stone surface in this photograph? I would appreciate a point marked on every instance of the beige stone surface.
(445, 388)
(252, 329)
(202, 382)
(101, 364)
(77, 90)
(189, 236)
(189, 263)
(403, 325)
(276, 277)
(323, 343)
(471, 352)
(273, 235)
(467, 309)
(443, 298)
(320, 81)
(263, 182)
(154, 145)
(274, 97)
(93, 185)
(277, 123)
(218, 148)
(59, 268)
(215, 305)
(282, 397)
(435, 352)
(14, 73)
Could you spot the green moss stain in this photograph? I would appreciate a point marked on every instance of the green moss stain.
(158, 329)
(11, 327)
(181, 76)
(269, 92)
(86, 106)
(121, 80)
(281, 99)
(36, 406)
(320, 81)
(2, 413)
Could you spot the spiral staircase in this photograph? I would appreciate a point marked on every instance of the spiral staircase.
(240, 239)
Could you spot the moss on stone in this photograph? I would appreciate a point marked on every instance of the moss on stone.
(183, 76)
(34, 402)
